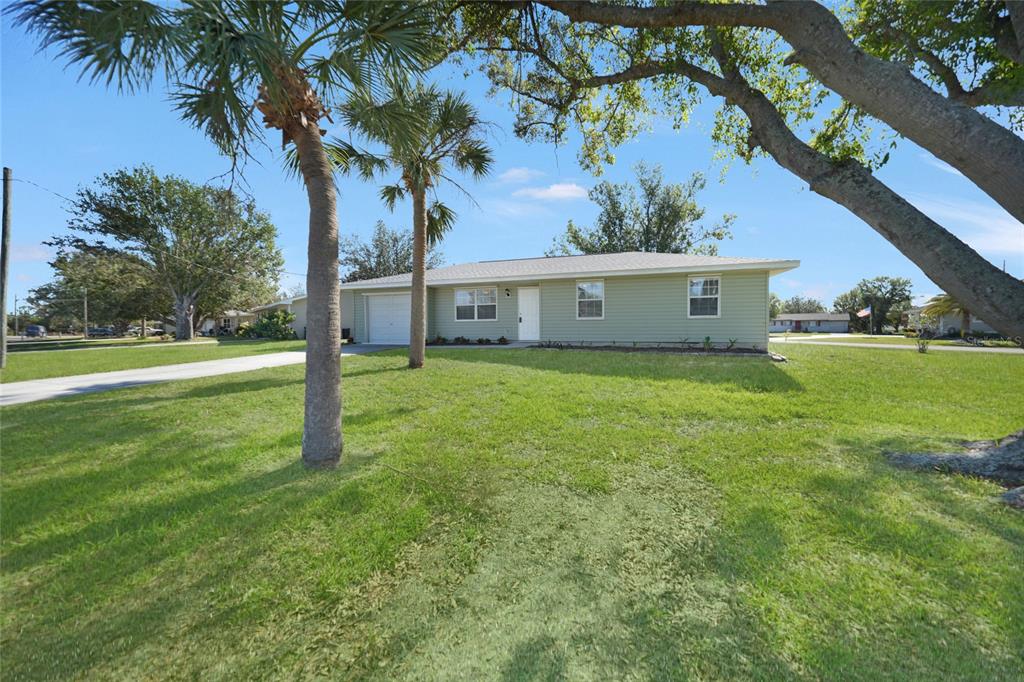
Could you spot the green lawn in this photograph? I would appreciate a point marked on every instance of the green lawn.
(23, 366)
(898, 340)
(520, 514)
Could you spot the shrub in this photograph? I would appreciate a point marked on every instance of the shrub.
(461, 340)
(438, 341)
(707, 344)
(503, 341)
(922, 345)
(732, 344)
(272, 325)
(484, 341)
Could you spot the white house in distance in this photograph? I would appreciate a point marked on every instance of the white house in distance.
(948, 324)
(230, 321)
(835, 323)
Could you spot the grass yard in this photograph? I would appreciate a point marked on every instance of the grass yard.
(520, 514)
(23, 366)
(897, 340)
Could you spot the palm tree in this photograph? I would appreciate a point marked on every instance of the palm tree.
(449, 133)
(944, 304)
(291, 62)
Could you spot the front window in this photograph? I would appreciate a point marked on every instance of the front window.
(590, 300)
(704, 297)
(476, 304)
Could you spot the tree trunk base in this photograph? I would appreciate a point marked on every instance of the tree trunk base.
(321, 464)
(1001, 461)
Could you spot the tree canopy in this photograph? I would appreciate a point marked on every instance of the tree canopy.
(889, 298)
(389, 252)
(651, 215)
(120, 289)
(823, 99)
(799, 304)
(208, 248)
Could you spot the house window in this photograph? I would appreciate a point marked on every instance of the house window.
(590, 300)
(704, 297)
(226, 322)
(476, 304)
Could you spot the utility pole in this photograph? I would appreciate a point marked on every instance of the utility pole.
(5, 257)
(15, 314)
(85, 313)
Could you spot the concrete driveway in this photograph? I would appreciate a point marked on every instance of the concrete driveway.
(44, 389)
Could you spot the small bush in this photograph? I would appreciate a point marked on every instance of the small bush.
(484, 341)
(707, 344)
(732, 344)
(438, 341)
(922, 345)
(273, 325)
(461, 341)
(503, 341)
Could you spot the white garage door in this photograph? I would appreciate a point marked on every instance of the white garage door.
(389, 318)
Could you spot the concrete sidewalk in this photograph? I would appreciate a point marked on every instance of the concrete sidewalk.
(44, 389)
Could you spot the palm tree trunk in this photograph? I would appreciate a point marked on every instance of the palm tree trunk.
(965, 323)
(418, 318)
(321, 430)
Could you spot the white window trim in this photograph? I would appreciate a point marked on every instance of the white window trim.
(455, 303)
(719, 297)
(576, 301)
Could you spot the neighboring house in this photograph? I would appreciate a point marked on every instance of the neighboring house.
(603, 298)
(231, 321)
(295, 305)
(947, 324)
(811, 322)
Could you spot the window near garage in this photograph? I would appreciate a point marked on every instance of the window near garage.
(704, 293)
(476, 304)
(590, 300)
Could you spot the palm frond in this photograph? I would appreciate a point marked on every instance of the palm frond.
(391, 195)
(440, 219)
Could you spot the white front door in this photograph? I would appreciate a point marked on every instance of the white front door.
(389, 318)
(529, 313)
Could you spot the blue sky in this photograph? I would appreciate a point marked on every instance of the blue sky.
(62, 133)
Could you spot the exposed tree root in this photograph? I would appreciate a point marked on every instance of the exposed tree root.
(1001, 461)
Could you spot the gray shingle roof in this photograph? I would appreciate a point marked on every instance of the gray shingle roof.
(832, 317)
(605, 265)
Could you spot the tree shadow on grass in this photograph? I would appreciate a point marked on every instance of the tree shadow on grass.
(209, 557)
(750, 373)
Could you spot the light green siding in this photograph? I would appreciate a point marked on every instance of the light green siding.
(641, 308)
(442, 320)
(652, 308)
(348, 304)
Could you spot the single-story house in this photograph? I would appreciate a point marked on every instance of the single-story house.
(947, 324)
(295, 305)
(811, 322)
(618, 297)
(229, 321)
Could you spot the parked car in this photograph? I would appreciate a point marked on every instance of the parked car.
(101, 331)
(35, 330)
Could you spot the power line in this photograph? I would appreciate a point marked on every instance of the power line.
(168, 251)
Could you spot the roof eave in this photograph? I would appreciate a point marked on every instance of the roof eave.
(773, 268)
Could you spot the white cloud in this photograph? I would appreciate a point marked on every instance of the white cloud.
(22, 277)
(30, 253)
(519, 175)
(985, 227)
(556, 192)
(506, 208)
(940, 164)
